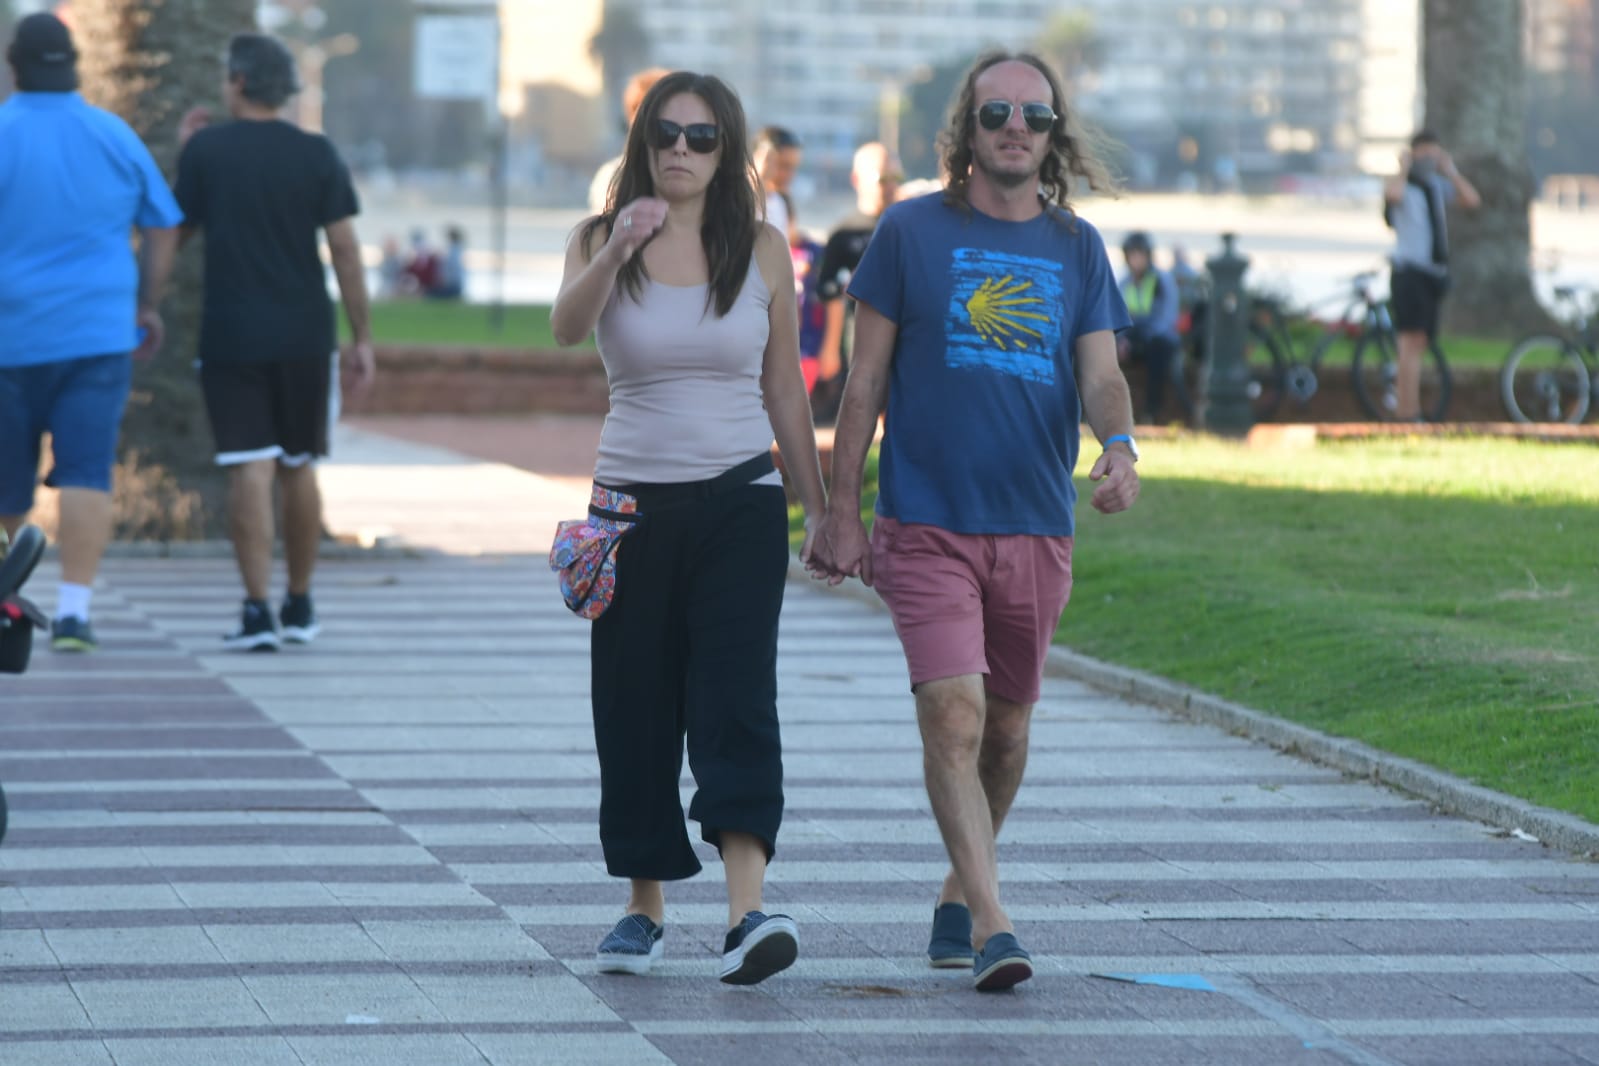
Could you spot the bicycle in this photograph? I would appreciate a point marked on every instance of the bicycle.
(1281, 366)
(1553, 379)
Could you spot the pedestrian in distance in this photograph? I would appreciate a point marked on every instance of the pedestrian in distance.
(1415, 205)
(263, 191)
(876, 175)
(632, 97)
(986, 321)
(777, 155)
(75, 182)
(691, 300)
(1153, 303)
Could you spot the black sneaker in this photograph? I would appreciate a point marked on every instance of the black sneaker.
(758, 947)
(72, 635)
(298, 619)
(256, 631)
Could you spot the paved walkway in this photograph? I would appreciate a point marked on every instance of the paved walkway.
(382, 850)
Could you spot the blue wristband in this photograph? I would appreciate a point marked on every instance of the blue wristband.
(1123, 437)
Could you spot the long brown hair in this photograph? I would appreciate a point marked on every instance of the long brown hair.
(1072, 145)
(728, 229)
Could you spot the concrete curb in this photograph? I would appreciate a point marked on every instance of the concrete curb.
(1445, 791)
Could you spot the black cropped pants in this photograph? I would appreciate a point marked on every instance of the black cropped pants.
(688, 649)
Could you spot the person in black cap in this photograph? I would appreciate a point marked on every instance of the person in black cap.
(74, 302)
(1152, 301)
(42, 57)
(264, 190)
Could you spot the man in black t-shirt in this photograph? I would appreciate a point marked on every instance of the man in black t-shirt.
(262, 189)
(876, 177)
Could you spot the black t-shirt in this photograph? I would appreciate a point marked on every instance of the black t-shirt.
(261, 191)
(842, 254)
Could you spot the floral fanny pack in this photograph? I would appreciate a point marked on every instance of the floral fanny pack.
(584, 554)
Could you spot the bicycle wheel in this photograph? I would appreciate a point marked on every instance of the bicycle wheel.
(1374, 373)
(1545, 380)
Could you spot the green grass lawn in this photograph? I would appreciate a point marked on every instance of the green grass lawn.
(453, 323)
(1438, 599)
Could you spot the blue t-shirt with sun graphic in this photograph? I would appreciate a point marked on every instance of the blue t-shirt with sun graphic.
(981, 431)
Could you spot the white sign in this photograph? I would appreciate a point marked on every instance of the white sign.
(457, 58)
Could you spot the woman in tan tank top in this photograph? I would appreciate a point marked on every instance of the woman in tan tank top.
(691, 298)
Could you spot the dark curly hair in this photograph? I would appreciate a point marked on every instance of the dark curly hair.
(1072, 146)
(732, 216)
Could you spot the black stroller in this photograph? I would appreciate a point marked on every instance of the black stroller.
(18, 617)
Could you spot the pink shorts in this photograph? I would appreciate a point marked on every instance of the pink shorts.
(967, 603)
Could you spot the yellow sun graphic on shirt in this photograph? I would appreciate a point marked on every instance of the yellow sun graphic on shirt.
(1000, 311)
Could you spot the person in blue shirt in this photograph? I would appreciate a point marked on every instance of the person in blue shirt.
(1153, 301)
(75, 181)
(985, 330)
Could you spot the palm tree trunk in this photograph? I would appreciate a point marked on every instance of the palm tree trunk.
(150, 61)
(1475, 78)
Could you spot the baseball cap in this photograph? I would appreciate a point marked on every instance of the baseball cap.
(42, 55)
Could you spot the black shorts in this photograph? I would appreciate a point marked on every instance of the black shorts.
(1414, 298)
(279, 410)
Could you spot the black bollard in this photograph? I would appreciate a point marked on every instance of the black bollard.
(1229, 409)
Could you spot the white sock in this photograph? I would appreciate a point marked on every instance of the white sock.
(72, 601)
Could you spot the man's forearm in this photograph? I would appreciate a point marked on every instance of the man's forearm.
(1108, 405)
(157, 251)
(352, 291)
(864, 395)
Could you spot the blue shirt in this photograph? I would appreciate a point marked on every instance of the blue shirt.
(981, 429)
(74, 181)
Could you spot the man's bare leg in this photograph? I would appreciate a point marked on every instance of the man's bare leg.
(84, 531)
(952, 712)
(251, 525)
(1000, 765)
(302, 524)
(1407, 383)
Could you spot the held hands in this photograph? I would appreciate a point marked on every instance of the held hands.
(838, 549)
(635, 225)
(1117, 475)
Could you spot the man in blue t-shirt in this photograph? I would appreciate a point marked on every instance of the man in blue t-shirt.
(74, 183)
(986, 324)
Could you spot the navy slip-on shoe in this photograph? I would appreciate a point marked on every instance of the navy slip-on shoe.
(1002, 964)
(950, 947)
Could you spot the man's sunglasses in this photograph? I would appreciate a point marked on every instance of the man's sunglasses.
(994, 114)
(702, 136)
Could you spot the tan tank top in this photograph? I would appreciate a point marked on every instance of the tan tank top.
(685, 384)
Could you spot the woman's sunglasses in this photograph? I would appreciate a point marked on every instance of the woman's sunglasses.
(702, 136)
(994, 114)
